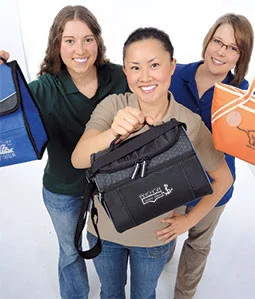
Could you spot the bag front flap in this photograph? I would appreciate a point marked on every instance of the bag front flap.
(9, 100)
(143, 146)
(113, 175)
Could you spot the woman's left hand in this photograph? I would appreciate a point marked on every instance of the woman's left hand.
(177, 225)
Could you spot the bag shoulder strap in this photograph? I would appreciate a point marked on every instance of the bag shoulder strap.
(96, 249)
(132, 145)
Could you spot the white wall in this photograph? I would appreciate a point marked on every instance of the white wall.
(185, 21)
(10, 32)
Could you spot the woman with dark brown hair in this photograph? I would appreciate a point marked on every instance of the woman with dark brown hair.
(74, 77)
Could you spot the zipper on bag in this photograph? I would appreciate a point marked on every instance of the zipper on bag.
(139, 165)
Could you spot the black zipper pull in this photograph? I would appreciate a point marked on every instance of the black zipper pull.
(144, 164)
(136, 170)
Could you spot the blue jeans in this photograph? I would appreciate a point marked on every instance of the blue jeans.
(146, 265)
(64, 212)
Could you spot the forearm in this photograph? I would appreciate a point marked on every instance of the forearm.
(91, 142)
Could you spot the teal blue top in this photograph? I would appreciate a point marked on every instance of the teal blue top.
(65, 112)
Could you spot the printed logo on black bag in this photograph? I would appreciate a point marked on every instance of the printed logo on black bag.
(154, 194)
(6, 151)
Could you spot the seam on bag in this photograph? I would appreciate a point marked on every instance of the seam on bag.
(187, 180)
(127, 210)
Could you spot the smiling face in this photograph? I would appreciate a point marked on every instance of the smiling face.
(78, 48)
(148, 68)
(219, 60)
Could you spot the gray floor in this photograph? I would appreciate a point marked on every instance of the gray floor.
(28, 258)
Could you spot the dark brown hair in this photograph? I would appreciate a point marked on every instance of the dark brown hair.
(52, 62)
(244, 37)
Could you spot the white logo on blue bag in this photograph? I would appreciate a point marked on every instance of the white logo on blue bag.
(6, 151)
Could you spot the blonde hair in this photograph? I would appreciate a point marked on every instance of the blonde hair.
(244, 37)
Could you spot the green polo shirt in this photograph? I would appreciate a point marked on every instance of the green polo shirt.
(65, 112)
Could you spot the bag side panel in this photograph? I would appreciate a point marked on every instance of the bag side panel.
(34, 122)
(198, 182)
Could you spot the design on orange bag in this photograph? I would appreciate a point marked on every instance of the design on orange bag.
(233, 121)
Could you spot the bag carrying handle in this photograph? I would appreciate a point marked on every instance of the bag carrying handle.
(96, 249)
(113, 144)
(250, 91)
(3, 59)
(239, 102)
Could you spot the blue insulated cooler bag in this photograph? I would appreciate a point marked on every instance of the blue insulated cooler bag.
(22, 134)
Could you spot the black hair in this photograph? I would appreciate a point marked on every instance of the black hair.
(149, 33)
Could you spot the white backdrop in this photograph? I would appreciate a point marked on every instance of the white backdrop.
(28, 250)
(185, 21)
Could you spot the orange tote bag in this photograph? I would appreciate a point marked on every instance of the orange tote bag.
(233, 121)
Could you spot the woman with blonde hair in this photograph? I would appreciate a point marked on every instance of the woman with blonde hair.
(226, 54)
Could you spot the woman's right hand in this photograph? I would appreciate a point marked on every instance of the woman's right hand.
(5, 55)
(127, 121)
